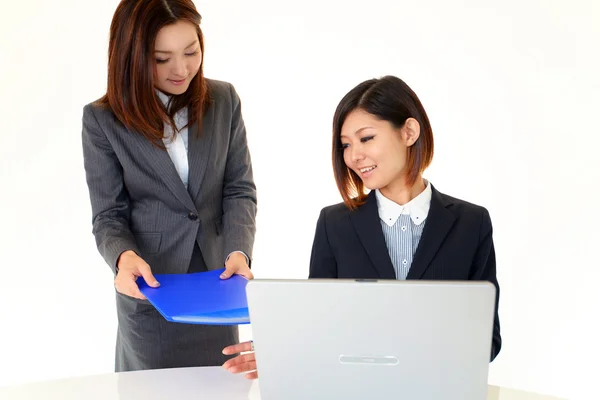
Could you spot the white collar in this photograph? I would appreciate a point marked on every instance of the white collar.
(164, 98)
(417, 208)
(181, 116)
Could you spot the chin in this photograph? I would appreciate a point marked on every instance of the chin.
(179, 90)
(371, 186)
(174, 90)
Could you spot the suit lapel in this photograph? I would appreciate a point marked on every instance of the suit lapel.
(437, 225)
(161, 162)
(199, 147)
(368, 228)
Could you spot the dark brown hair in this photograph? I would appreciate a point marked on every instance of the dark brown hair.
(130, 91)
(389, 99)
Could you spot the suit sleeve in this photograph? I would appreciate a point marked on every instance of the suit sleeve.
(322, 261)
(484, 269)
(109, 199)
(239, 190)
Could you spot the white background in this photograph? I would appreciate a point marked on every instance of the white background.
(512, 91)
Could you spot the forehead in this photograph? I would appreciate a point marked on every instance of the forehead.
(176, 36)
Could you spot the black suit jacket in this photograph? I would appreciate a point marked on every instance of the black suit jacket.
(456, 244)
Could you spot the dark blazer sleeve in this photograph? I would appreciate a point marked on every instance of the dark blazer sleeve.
(109, 199)
(239, 190)
(484, 268)
(322, 261)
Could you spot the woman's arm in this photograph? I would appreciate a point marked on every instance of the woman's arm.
(484, 269)
(239, 190)
(322, 261)
(109, 199)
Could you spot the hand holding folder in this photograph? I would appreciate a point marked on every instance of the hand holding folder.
(130, 267)
(199, 298)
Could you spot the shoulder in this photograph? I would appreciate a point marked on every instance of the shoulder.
(466, 211)
(463, 206)
(218, 86)
(97, 113)
(334, 213)
(222, 91)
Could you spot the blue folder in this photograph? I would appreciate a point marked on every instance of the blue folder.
(199, 298)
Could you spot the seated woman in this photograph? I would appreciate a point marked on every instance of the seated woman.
(404, 228)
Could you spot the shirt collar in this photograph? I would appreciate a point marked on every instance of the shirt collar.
(181, 116)
(164, 98)
(417, 208)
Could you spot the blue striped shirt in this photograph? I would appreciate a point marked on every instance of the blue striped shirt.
(402, 227)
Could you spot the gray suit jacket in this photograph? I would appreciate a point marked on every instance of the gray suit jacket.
(139, 202)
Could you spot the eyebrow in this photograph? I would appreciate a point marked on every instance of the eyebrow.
(169, 52)
(358, 131)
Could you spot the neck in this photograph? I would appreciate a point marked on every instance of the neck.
(402, 193)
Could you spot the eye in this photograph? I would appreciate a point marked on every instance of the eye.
(192, 54)
(159, 61)
(366, 139)
(345, 146)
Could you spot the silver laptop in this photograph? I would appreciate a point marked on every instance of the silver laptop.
(366, 339)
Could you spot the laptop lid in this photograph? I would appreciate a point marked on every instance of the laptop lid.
(367, 339)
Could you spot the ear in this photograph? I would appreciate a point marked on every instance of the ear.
(411, 131)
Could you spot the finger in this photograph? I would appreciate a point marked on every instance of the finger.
(231, 362)
(246, 273)
(241, 359)
(238, 348)
(238, 360)
(229, 270)
(135, 292)
(146, 273)
(129, 289)
(125, 283)
(243, 368)
(251, 375)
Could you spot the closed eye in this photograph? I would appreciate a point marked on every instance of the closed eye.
(366, 139)
(162, 61)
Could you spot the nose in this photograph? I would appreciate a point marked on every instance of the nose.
(180, 68)
(357, 154)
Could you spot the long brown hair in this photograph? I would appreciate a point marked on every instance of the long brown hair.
(392, 100)
(130, 91)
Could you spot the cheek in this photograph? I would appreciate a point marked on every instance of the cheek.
(194, 64)
(346, 155)
(399, 156)
(161, 72)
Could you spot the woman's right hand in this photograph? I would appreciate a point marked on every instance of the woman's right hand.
(130, 267)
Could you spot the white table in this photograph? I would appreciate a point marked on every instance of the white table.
(212, 383)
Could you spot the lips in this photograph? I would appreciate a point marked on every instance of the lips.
(175, 82)
(367, 169)
(366, 172)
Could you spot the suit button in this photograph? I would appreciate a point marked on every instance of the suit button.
(192, 216)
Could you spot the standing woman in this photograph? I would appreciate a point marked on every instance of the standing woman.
(403, 228)
(170, 178)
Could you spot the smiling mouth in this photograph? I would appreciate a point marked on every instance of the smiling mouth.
(367, 169)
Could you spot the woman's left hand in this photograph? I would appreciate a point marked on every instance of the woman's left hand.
(243, 363)
(237, 264)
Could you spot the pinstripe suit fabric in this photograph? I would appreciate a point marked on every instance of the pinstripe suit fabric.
(140, 203)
